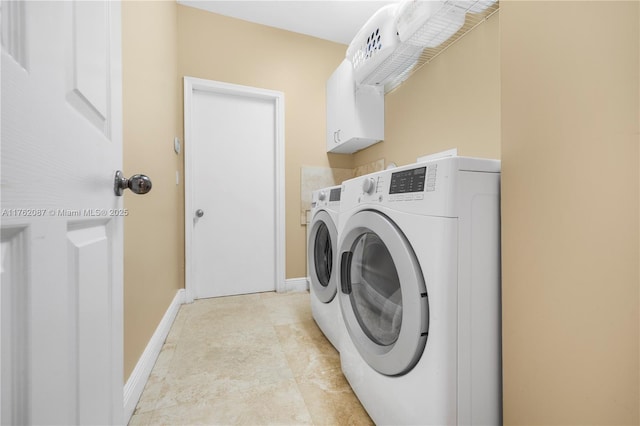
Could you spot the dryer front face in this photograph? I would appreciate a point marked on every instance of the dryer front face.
(322, 254)
(383, 296)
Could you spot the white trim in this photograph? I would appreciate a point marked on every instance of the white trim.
(138, 378)
(296, 284)
(191, 84)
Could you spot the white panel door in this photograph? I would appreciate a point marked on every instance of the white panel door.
(234, 182)
(61, 288)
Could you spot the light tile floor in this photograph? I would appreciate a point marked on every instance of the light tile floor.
(257, 359)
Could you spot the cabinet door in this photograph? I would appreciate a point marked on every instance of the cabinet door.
(355, 117)
(341, 105)
(332, 113)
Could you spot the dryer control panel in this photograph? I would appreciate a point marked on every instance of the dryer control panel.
(421, 188)
(428, 188)
(410, 184)
(408, 181)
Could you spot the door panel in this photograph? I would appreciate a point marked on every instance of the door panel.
(89, 256)
(234, 184)
(376, 296)
(13, 315)
(61, 294)
(322, 257)
(89, 92)
(13, 31)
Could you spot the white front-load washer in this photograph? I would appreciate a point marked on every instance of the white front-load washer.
(322, 251)
(420, 292)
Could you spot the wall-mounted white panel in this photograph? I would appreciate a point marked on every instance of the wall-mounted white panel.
(89, 272)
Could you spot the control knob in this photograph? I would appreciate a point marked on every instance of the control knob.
(322, 195)
(368, 185)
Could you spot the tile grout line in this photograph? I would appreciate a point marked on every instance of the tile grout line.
(295, 377)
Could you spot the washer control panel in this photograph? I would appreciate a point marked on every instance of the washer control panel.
(326, 197)
(334, 194)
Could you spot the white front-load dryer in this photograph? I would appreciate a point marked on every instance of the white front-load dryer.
(420, 292)
(322, 251)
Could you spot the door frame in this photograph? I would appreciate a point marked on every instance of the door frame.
(192, 84)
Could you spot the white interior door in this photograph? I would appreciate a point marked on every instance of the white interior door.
(233, 143)
(61, 289)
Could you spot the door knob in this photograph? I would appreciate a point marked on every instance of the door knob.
(199, 213)
(139, 184)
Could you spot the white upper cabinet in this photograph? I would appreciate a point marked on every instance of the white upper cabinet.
(355, 117)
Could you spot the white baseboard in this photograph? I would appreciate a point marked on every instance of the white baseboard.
(296, 284)
(138, 379)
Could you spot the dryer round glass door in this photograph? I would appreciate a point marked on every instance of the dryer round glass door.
(383, 295)
(322, 256)
(376, 296)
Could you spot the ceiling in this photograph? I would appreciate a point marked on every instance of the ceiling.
(334, 20)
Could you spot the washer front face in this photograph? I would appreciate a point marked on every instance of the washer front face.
(322, 261)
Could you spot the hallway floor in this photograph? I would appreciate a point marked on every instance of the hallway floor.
(257, 359)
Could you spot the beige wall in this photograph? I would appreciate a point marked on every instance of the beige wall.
(219, 48)
(553, 92)
(452, 102)
(570, 214)
(154, 254)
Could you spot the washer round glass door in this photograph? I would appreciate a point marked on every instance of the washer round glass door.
(383, 295)
(322, 254)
